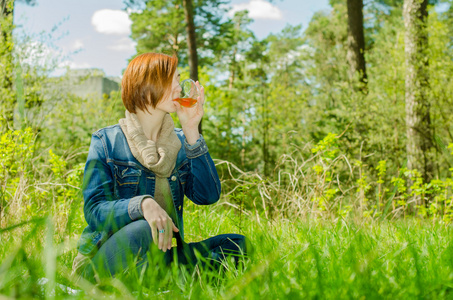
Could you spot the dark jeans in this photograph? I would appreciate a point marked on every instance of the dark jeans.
(134, 242)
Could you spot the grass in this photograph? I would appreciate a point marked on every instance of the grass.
(317, 233)
(292, 259)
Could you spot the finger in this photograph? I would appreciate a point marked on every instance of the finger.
(154, 232)
(200, 109)
(199, 85)
(166, 235)
(161, 236)
(202, 96)
(201, 90)
(175, 229)
(169, 233)
(171, 238)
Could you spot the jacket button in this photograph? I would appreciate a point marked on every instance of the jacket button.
(173, 178)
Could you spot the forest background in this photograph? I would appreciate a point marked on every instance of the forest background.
(345, 122)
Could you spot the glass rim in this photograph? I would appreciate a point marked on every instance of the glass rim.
(192, 81)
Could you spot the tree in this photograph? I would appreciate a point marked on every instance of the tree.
(191, 39)
(6, 62)
(160, 26)
(326, 71)
(191, 45)
(283, 98)
(231, 57)
(356, 41)
(418, 123)
(7, 93)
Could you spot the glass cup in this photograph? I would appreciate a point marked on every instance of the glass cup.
(189, 93)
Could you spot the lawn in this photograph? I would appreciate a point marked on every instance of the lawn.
(292, 259)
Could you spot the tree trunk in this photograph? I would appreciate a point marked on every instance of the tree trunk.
(191, 43)
(191, 39)
(356, 41)
(6, 61)
(265, 135)
(418, 123)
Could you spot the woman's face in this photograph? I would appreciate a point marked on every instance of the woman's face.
(167, 104)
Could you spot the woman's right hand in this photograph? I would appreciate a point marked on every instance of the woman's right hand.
(158, 219)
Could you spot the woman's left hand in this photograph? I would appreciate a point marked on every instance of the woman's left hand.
(190, 117)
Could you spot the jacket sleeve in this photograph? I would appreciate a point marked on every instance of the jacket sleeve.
(101, 211)
(203, 183)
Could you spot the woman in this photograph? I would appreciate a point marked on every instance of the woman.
(138, 172)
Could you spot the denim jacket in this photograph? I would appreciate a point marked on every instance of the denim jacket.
(115, 183)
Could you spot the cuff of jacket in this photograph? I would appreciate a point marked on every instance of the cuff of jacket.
(197, 149)
(134, 207)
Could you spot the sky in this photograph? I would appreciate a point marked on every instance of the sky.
(95, 33)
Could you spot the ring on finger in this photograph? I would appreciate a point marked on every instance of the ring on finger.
(161, 230)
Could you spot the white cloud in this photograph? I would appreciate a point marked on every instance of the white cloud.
(123, 44)
(258, 9)
(111, 21)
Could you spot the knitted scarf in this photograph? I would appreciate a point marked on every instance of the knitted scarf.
(159, 157)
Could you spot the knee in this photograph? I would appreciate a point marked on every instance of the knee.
(240, 241)
(244, 247)
(137, 235)
(240, 248)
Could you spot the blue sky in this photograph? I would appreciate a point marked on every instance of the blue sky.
(95, 34)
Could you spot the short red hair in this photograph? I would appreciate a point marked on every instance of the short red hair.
(147, 79)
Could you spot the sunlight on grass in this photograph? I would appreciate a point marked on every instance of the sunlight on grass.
(291, 258)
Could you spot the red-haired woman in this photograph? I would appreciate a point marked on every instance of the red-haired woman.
(138, 172)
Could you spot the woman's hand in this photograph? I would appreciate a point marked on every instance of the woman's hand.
(190, 117)
(158, 219)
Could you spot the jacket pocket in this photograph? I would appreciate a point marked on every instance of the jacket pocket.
(126, 181)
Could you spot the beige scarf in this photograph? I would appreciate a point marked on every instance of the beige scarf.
(159, 157)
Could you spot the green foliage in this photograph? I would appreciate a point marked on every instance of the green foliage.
(382, 169)
(17, 149)
(87, 116)
(27, 188)
(273, 109)
(58, 164)
(159, 26)
(328, 146)
(7, 62)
